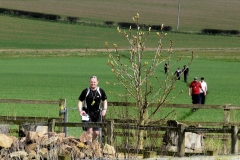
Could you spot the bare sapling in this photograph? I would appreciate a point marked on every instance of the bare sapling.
(143, 85)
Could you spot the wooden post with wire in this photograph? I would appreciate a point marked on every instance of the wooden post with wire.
(110, 129)
(234, 141)
(62, 107)
(181, 140)
(51, 125)
(226, 121)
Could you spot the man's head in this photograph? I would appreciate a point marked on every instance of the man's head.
(195, 79)
(202, 79)
(93, 82)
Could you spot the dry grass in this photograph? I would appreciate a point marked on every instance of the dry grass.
(194, 16)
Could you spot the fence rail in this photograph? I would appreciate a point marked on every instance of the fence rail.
(226, 106)
(36, 120)
(17, 120)
(109, 125)
(181, 129)
(21, 101)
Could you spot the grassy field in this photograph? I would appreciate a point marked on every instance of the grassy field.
(64, 77)
(50, 78)
(48, 60)
(194, 16)
(18, 33)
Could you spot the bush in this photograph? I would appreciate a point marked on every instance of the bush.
(72, 19)
(219, 31)
(144, 26)
(29, 14)
(109, 23)
(158, 27)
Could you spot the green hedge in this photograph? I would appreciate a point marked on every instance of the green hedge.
(29, 14)
(220, 32)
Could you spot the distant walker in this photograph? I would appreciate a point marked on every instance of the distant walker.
(202, 90)
(185, 72)
(194, 90)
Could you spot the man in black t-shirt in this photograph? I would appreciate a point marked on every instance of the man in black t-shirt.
(92, 97)
(185, 72)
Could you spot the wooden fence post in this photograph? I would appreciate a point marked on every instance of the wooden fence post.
(62, 107)
(226, 121)
(234, 142)
(51, 125)
(181, 140)
(110, 128)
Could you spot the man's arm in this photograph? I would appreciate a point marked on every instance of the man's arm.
(189, 91)
(104, 109)
(81, 112)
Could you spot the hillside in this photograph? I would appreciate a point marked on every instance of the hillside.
(194, 16)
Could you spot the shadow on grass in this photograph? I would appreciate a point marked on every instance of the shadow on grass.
(189, 113)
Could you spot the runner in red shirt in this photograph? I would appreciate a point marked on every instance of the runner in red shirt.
(194, 90)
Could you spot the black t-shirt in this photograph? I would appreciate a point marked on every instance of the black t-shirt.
(185, 71)
(93, 98)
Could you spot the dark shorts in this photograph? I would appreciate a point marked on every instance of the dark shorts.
(202, 98)
(94, 116)
(195, 98)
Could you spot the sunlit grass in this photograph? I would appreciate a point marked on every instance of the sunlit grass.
(52, 78)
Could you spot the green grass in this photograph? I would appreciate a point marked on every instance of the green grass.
(18, 33)
(56, 77)
(51, 78)
(193, 16)
(47, 60)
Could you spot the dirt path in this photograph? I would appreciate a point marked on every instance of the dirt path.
(103, 50)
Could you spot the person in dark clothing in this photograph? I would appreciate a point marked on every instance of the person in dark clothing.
(178, 73)
(185, 72)
(92, 97)
(165, 68)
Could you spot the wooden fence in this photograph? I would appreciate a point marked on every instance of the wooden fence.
(181, 129)
(226, 124)
(110, 125)
(18, 120)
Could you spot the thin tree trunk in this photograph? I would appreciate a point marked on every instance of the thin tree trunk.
(142, 122)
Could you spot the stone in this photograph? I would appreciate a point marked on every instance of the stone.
(97, 149)
(17, 154)
(49, 141)
(5, 141)
(30, 147)
(42, 130)
(4, 129)
(32, 154)
(31, 137)
(109, 150)
(43, 152)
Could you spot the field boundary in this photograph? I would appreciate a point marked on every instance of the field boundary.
(109, 126)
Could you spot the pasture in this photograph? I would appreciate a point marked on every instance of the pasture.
(18, 33)
(49, 60)
(194, 16)
(50, 78)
